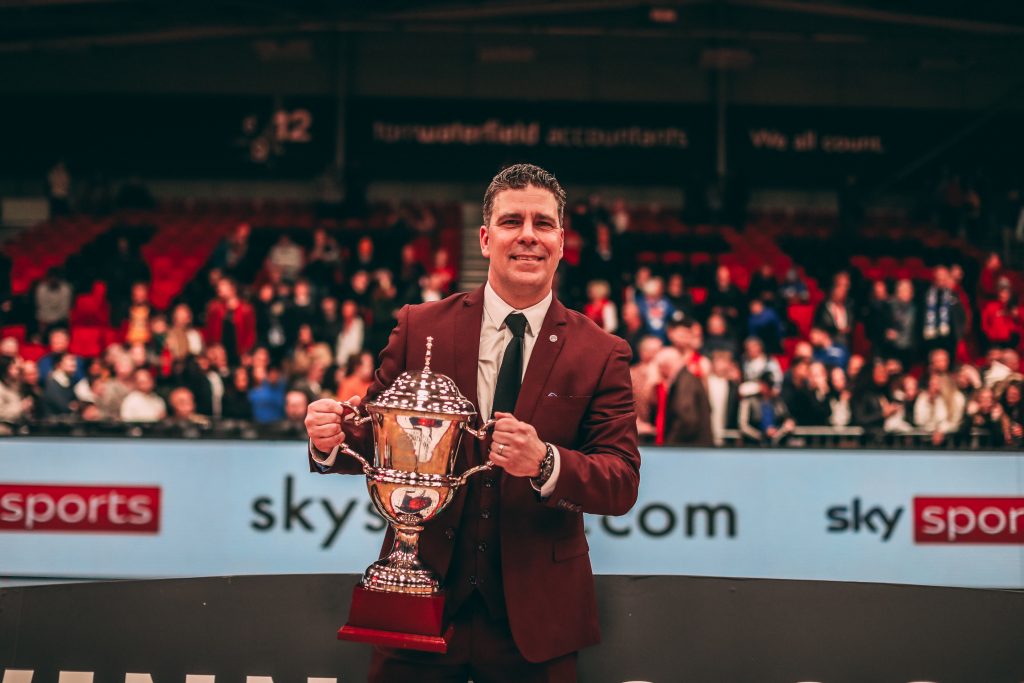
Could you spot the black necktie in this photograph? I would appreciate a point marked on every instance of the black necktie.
(510, 376)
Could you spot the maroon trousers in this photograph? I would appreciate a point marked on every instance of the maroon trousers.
(481, 649)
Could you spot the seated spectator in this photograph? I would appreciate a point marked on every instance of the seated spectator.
(904, 397)
(303, 310)
(1013, 415)
(687, 338)
(827, 351)
(59, 343)
(968, 380)
(854, 367)
(793, 290)
(944, 317)
(756, 362)
(183, 338)
(723, 394)
(117, 388)
(655, 309)
(632, 327)
(230, 321)
(811, 405)
(312, 384)
(183, 409)
(59, 392)
(52, 299)
(139, 310)
(444, 270)
(938, 410)
(13, 407)
(901, 324)
(989, 277)
(725, 297)
(764, 286)
(764, 324)
(230, 255)
(235, 404)
(328, 322)
(358, 377)
(350, 339)
(876, 314)
(666, 364)
(292, 426)
(1003, 364)
(384, 307)
(599, 306)
(324, 258)
(872, 404)
(841, 415)
(835, 314)
(642, 376)
(431, 289)
(143, 404)
(682, 302)
(719, 337)
(763, 417)
(688, 412)
(267, 395)
(366, 258)
(409, 273)
(1001, 318)
(287, 258)
(985, 415)
(30, 388)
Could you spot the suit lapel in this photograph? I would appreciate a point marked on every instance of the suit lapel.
(469, 319)
(542, 360)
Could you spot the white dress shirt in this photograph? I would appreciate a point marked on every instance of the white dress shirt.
(494, 337)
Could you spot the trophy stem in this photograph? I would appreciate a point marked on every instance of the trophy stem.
(401, 571)
(406, 547)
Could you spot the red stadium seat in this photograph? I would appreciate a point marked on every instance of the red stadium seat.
(802, 316)
(16, 331)
(86, 341)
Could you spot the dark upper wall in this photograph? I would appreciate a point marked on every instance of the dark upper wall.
(930, 73)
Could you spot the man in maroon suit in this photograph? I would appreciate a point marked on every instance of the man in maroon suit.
(511, 546)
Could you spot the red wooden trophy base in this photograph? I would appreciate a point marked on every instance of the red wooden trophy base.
(412, 622)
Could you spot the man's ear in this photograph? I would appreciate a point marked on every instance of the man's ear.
(485, 247)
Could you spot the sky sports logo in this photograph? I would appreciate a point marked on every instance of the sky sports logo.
(969, 520)
(63, 508)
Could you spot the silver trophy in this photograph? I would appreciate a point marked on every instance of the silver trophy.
(418, 424)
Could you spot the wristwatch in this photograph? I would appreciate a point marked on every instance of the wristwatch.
(547, 466)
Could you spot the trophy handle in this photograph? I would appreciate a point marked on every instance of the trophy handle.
(356, 419)
(481, 434)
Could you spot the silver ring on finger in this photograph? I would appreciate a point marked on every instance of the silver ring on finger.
(501, 449)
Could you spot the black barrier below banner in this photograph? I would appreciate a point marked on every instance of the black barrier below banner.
(660, 629)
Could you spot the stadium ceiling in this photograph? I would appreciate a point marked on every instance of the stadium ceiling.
(55, 25)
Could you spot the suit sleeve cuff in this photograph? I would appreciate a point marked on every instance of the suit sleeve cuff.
(549, 486)
(322, 461)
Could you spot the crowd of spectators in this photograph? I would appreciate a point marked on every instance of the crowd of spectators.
(262, 331)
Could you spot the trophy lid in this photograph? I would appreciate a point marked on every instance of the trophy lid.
(426, 391)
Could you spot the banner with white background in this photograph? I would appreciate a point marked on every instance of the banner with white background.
(142, 509)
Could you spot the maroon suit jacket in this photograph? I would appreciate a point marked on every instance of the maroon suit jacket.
(578, 396)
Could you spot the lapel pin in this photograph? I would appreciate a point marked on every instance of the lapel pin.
(553, 338)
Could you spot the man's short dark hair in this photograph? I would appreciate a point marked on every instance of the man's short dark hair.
(519, 177)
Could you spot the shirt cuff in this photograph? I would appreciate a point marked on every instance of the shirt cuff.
(322, 462)
(549, 486)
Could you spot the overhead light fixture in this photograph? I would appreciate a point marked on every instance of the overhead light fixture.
(664, 15)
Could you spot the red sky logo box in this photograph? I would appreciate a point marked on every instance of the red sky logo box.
(969, 520)
(103, 509)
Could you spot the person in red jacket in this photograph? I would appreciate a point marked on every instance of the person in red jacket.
(230, 321)
(1001, 319)
(511, 546)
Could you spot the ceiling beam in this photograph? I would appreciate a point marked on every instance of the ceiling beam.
(882, 16)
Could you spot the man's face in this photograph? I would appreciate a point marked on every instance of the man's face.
(523, 242)
(59, 341)
(69, 364)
